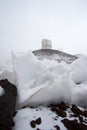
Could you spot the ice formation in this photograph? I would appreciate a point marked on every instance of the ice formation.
(47, 81)
(79, 71)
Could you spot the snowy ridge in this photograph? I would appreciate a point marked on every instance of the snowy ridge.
(56, 55)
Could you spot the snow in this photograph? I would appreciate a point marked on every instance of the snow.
(49, 119)
(1, 91)
(7, 70)
(39, 83)
(79, 95)
(79, 71)
(25, 116)
(46, 81)
(42, 82)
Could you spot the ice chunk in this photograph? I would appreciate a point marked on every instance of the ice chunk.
(46, 81)
(41, 82)
(79, 71)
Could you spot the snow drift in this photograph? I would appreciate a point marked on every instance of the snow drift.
(47, 81)
(79, 71)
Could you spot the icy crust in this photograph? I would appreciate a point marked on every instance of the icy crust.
(47, 81)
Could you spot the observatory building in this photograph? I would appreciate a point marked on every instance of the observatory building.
(46, 44)
(46, 52)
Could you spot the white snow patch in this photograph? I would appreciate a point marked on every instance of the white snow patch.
(25, 116)
(79, 71)
(79, 95)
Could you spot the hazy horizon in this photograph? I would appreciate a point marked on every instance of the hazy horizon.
(24, 23)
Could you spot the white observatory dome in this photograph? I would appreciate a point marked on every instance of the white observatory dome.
(46, 44)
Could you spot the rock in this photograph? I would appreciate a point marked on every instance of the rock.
(58, 111)
(38, 121)
(33, 124)
(84, 113)
(57, 127)
(62, 106)
(74, 125)
(76, 110)
(7, 104)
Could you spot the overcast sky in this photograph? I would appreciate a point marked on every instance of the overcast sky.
(24, 23)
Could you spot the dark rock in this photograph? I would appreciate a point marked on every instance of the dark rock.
(76, 110)
(23, 107)
(57, 127)
(58, 111)
(14, 114)
(55, 118)
(38, 121)
(33, 124)
(53, 109)
(62, 106)
(38, 129)
(61, 113)
(7, 104)
(84, 113)
(81, 119)
(74, 125)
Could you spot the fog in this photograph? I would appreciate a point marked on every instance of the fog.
(24, 23)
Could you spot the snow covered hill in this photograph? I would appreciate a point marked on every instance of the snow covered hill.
(56, 55)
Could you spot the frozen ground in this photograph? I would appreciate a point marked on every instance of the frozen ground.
(50, 118)
(42, 83)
